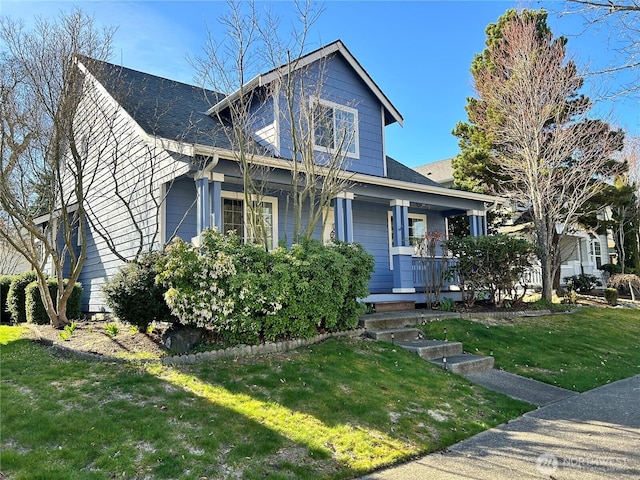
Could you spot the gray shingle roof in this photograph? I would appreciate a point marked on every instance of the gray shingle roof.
(398, 171)
(177, 111)
(162, 107)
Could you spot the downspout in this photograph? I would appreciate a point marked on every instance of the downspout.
(214, 162)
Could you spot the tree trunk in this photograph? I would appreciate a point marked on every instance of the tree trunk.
(547, 277)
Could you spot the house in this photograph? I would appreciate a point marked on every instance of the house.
(440, 172)
(582, 251)
(166, 169)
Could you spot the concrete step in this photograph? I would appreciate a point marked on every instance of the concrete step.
(430, 349)
(465, 364)
(387, 320)
(394, 335)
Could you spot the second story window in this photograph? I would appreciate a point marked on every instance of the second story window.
(335, 128)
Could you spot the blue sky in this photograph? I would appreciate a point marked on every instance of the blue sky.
(418, 52)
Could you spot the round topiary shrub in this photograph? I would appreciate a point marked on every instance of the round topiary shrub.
(134, 296)
(35, 310)
(16, 296)
(611, 296)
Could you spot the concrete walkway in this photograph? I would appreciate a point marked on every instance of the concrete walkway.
(593, 435)
(522, 388)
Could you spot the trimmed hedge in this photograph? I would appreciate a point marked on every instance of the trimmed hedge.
(5, 284)
(34, 306)
(16, 296)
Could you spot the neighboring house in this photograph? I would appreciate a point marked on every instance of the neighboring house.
(440, 172)
(386, 207)
(12, 262)
(581, 251)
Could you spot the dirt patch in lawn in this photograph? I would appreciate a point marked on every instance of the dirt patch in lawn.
(93, 337)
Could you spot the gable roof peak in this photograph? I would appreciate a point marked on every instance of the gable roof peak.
(391, 112)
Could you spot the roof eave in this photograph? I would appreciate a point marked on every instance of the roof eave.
(359, 177)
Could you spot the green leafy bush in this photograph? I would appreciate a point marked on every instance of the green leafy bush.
(16, 296)
(582, 283)
(35, 311)
(134, 296)
(611, 296)
(5, 284)
(495, 264)
(358, 269)
(611, 268)
(246, 294)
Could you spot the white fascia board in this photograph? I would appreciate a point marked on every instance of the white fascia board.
(233, 96)
(308, 59)
(359, 177)
(71, 208)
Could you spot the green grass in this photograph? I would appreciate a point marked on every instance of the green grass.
(577, 351)
(333, 410)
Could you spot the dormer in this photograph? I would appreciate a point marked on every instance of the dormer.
(346, 109)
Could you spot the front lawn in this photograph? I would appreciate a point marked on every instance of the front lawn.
(333, 410)
(577, 351)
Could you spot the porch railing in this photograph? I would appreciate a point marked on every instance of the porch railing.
(533, 277)
(426, 269)
(433, 267)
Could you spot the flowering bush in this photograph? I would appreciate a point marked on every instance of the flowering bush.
(246, 294)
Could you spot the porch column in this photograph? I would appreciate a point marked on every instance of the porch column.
(215, 192)
(401, 250)
(477, 223)
(343, 216)
(203, 204)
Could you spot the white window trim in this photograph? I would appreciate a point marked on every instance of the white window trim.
(272, 200)
(356, 140)
(415, 216)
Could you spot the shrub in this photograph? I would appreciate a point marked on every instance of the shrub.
(5, 284)
(246, 294)
(35, 310)
(16, 296)
(493, 263)
(582, 283)
(358, 269)
(611, 268)
(611, 296)
(133, 295)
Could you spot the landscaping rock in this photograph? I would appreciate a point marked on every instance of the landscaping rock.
(182, 339)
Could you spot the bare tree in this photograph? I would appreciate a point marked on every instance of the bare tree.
(546, 150)
(135, 171)
(43, 182)
(628, 214)
(289, 95)
(622, 19)
(226, 68)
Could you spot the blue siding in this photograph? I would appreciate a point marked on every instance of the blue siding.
(181, 215)
(341, 85)
(370, 229)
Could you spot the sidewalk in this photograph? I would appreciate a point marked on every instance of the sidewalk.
(593, 435)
